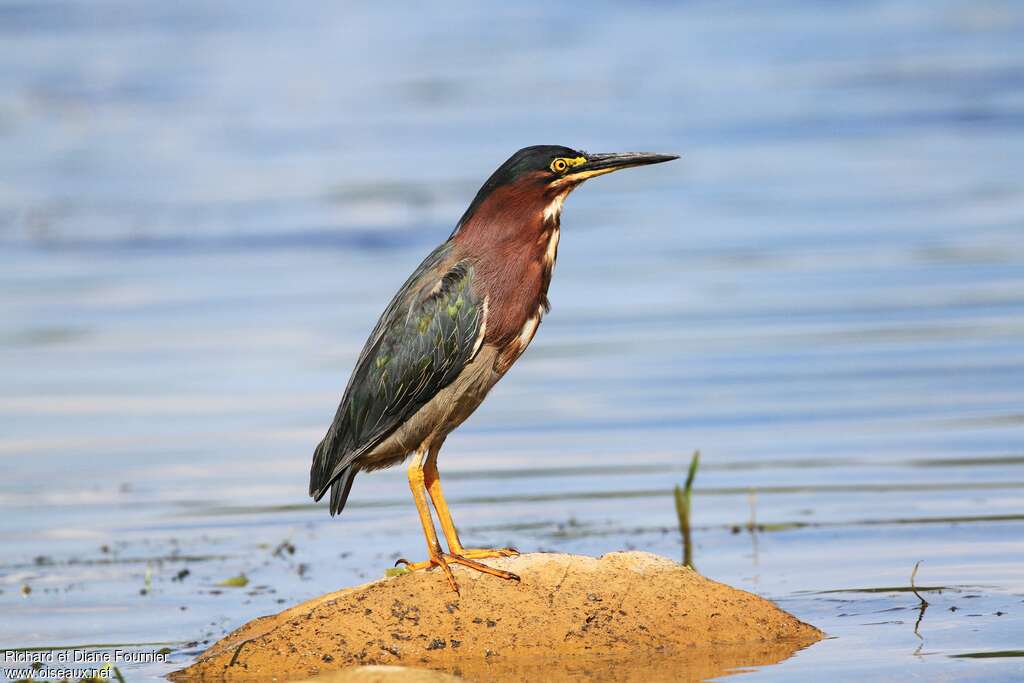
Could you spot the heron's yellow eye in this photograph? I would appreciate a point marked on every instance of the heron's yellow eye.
(563, 164)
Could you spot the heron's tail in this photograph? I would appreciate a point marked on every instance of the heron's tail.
(341, 487)
(322, 475)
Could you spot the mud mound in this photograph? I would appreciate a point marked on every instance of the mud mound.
(384, 674)
(638, 615)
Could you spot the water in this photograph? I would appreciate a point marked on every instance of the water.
(204, 208)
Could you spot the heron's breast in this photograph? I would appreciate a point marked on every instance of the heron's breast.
(509, 353)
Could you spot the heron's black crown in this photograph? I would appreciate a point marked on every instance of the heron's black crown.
(534, 158)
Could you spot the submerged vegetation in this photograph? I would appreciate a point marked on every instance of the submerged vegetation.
(923, 603)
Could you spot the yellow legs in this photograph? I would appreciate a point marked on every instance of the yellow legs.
(423, 480)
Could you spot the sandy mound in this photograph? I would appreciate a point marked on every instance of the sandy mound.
(384, 674)
(638, 615)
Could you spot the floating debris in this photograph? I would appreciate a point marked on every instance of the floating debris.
(284, 547)
(240, 581)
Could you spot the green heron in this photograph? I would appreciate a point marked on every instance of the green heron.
(451, 332)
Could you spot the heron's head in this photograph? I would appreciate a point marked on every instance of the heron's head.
(539, 178)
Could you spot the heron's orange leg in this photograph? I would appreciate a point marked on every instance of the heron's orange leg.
(432, 480)
(437, 557)
(433, 546)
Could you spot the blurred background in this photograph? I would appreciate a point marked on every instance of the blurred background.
(205, 206)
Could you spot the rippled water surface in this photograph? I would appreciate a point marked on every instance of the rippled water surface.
(204, 207)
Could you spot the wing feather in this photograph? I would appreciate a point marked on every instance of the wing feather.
(423, 340)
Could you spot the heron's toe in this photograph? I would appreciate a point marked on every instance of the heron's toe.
(493, 571)
(484, 553)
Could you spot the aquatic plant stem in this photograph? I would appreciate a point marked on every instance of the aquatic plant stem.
(682, 498)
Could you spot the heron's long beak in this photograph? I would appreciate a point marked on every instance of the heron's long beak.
(599, 164)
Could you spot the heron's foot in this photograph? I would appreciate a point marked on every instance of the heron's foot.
(442, 560)
(484, 553)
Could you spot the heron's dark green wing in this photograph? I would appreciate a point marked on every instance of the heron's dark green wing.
(425, 337)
